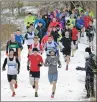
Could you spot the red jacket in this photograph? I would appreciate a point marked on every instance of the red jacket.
(87, 19)
(54, 24)
(74, 34)
(34, 61)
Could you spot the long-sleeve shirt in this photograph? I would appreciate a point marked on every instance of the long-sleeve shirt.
(52, 62)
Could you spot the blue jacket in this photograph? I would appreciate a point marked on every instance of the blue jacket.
(79, 22)
(19, 38)
(40, 20)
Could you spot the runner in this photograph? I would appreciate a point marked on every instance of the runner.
(29, 20)
(80, 26)
(19, 37)
(29, 37)
(13, 44)
(66, 45)
(74, 40)
(33, 29)
(47, 20)
(51, 45)
(90, 34)
(41, 31)
(52, 61)
(12, 62)
(37, 45)
(35, 61)
(45, 38)
(55, 34)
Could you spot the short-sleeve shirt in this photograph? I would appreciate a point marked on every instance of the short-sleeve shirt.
(34, 61)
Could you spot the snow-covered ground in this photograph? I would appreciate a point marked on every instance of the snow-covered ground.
(70, 85)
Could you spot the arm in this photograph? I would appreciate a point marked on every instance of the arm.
(20, 46)
(41, 49)
(59, 61)
(36, 32)
(26, 37)
(81, 68)
(22, 39)
(46, 62)
(7, 47)
(4, 64)
(41, 62)
(18, 65)
(28, 62)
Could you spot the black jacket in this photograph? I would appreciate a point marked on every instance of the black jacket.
(42, 32)
(55, 35)
(47, 21)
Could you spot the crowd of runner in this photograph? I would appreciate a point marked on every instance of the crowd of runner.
(52, 33)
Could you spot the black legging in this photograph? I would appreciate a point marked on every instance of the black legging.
(74, 42)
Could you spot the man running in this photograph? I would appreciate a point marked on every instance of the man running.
(52, 61)
(13, 44)
(12, 62)
(66, 45)
(35, 61)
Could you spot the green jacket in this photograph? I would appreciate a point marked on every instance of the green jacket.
(91, 14)
(72, 21)
(30, 19)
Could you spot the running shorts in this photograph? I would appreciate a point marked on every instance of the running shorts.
(11, 77)
(53, 77)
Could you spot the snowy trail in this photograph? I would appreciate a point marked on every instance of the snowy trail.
(70, 85)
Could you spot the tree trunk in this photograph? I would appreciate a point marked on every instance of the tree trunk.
(12, 8)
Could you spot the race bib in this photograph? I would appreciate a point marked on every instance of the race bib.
(12, 69)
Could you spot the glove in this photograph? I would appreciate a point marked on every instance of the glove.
(78, 68)
(3, 69)
(28, 68)
(39, 65)
(18, 71)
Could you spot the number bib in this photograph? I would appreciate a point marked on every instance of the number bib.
(12, 69)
